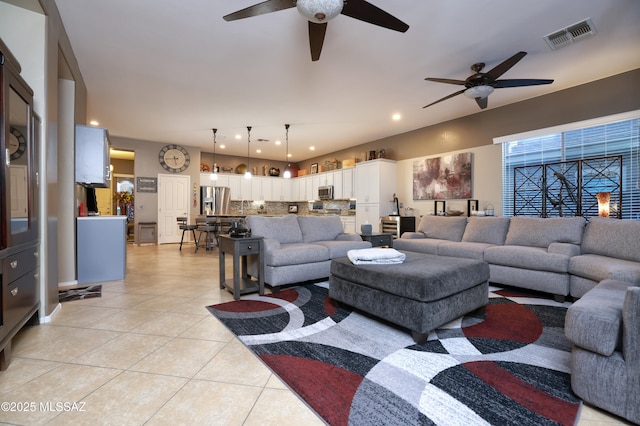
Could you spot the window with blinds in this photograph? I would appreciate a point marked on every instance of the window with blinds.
(617, 138)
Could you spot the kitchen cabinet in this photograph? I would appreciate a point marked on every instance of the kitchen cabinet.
(375, 186)
(349, 224)
(376, 181)
(282, 189)
(92, 157)
(336, 181)
(261, 189)
(101, 246)
(348, 183)
(240, 187)
(368, 213)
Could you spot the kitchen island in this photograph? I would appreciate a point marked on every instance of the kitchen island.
(101, 248)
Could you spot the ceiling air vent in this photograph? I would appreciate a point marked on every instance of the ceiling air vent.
(575, 32)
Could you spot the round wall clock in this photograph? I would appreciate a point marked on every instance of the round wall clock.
(17, 143)
(174, 158)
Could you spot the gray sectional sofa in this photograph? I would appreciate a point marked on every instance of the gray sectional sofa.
(597, 262)
(561, 256)
(605, 359)
(300, 248)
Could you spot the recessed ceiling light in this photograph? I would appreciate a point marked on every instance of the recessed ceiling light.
(278, 142)
(223, 146)
(238, 137)
(258, 150)
(396, 116)
(94, 123)
(312, 148)
(289, 155)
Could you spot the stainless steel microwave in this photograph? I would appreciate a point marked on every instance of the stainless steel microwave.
(325, 192)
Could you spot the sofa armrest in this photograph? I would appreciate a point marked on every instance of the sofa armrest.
(270, 244)
(564, 248)
(348, 237)
(413, 235)
(630, 325)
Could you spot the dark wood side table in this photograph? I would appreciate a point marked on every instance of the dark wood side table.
(379, 239)
(240, 248)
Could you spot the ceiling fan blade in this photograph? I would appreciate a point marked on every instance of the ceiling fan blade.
(500, 84)
(316, 39)
(459, 92)
(447, 80)
(482, 102)
(365, 11)
(260, 9)
(500, 69)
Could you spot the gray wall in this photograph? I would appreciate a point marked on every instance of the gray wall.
(612, 95)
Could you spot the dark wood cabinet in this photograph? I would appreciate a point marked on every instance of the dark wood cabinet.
(19, 272)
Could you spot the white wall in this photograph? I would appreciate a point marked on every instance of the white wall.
(486, 168)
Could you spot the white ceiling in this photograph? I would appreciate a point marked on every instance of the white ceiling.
(170, 70)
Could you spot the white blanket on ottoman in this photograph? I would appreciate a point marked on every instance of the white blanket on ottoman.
(375, 256)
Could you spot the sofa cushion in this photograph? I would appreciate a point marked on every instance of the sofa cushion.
(611, 237)
(534, 258)
(283, 228)
(296, 253)
(420, 245)
(340, 248)
(540, 232)
(320, 228)
(490, 230)
(594, 322)
(598, 268)
(463, 249)
(443, 227)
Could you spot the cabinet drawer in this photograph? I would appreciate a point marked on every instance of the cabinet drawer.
(15, 266)
(19, 297)
(248, 247)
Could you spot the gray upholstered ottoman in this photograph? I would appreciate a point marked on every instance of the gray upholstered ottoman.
(423, 293)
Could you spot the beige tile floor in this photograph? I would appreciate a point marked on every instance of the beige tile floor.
(148, 352)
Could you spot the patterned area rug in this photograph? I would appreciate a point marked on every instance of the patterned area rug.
(506, 366)
(80, 293)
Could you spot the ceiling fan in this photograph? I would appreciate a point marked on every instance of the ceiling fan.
(481, 84)
(318, 12)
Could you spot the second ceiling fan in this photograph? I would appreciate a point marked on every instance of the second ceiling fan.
(481, 84)
(318, 12)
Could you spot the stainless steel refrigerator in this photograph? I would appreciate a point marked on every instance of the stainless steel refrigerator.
(215, 200)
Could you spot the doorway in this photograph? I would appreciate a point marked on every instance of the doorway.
(173, 202)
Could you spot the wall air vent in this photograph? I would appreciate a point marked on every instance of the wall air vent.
(569, 35)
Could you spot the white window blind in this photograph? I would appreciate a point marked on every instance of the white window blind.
(616, 138)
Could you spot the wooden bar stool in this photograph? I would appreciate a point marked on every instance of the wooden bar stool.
(208, 227)
(182, 224)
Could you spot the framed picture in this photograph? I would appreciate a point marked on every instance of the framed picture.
(443, 178)
(472, 207)
(293, 208)
(314, 168)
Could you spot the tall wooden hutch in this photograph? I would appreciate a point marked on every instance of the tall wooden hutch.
(19, 281)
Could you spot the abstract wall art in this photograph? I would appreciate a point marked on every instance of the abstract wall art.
(442, 178)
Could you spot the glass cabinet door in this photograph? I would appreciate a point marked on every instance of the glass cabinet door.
(19, 187)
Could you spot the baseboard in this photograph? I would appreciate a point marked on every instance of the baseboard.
(68, 285)
(49, 318)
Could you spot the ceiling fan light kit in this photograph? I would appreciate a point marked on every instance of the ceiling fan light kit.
(319, 11)
(478, 91)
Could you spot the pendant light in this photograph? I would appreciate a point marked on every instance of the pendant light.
(214, 169)
(287, 172)
(247, 174)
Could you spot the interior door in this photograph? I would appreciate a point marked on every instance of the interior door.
(173, 202)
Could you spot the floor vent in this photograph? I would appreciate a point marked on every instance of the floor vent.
(569, 35)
